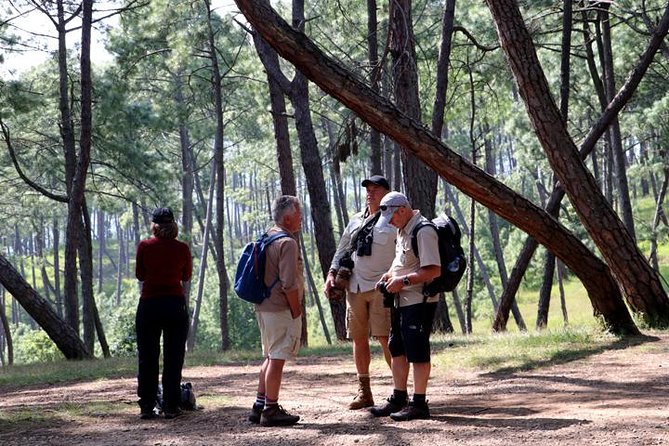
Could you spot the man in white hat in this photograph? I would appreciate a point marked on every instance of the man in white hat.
(412, 314)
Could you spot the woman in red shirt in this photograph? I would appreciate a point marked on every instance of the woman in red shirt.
(162, 266)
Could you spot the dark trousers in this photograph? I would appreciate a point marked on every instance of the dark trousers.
(155, 316)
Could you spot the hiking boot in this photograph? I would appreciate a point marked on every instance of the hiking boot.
(412, 411)
(173, 413)
(364, 397)
(391, 405)
(147, 414)
(277, 416)
(256, 412)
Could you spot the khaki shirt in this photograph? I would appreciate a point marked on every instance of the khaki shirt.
(283, 259)
(368, 269)
(406, 262)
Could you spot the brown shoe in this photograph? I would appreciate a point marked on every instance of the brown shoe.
(277, 416)
(364, 397)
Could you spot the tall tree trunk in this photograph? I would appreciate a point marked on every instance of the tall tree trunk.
(375, 156)
(448, 21)
(420, 182)
(56, 266)
(71, 302)
(279, 116)
(86, 273)
(120, 260)
(195, 316)
(7, 332)
(616, 142)
(658, 213)
(102, 246)
(219, 239)
(314, 292)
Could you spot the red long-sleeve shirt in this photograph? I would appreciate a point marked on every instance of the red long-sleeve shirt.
(162, 265)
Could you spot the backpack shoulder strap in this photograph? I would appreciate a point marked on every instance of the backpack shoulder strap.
(269, 239)
(414, 234)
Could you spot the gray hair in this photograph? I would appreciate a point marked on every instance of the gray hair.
(283, 205)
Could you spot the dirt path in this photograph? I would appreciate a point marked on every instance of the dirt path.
(618, 397)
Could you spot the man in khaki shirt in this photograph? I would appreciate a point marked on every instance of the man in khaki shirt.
(412, 313)
(279, 315)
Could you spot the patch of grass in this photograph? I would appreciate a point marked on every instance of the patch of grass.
(495, 353)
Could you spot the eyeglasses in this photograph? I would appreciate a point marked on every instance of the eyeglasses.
(384, 207)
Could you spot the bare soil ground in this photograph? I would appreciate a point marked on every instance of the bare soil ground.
(615, 397)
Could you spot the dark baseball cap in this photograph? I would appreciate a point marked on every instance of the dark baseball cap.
(162, 216)
(378, 180)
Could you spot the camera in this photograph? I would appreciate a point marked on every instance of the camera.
(388, 298)
(342, 278)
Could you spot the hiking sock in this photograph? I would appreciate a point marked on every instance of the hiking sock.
(260, 399)
(270, 403)
(360, 375)
(401, 396)
(419, 399)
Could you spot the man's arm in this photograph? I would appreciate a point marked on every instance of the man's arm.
(293, 299)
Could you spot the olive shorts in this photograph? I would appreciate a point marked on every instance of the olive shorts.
(365, 315)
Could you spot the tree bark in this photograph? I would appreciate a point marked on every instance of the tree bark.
(380, 113)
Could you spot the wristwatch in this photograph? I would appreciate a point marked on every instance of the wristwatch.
(406, 281)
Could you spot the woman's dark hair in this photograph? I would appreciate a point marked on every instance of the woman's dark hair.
(165, 230)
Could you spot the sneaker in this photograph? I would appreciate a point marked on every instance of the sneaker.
(412, 412)
(277, 416)
(170, 414)
(256, 412)
(147, 414)
(391, 405)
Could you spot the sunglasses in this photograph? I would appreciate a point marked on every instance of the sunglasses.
(385, 207)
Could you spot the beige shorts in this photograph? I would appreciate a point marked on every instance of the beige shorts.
(365, 315)
(279, 333)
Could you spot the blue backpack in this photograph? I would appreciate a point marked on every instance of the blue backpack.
(249, 278)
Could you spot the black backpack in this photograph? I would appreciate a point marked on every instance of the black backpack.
(451, 254)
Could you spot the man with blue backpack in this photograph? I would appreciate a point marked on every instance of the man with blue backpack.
(278, 315)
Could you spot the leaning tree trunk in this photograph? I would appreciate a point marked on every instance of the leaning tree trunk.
(380, 113)
(66, 339)
(641, 284)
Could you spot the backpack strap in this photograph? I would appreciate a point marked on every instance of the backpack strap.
(414, 235)
(414, 248)
(269, 241)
